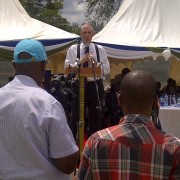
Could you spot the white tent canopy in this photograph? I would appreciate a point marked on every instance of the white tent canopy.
(16, 24)
(140, 26)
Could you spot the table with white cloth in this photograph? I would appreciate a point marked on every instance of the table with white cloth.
(170, 120)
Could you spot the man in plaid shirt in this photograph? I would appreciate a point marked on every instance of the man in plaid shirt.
(134, 149)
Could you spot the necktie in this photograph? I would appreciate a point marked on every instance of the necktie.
(86, 51)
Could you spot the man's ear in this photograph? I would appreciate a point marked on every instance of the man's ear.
(155, 103)
(121, 100)
(43, 66)
(14, 64)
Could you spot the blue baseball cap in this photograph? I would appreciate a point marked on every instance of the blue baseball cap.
(33, 47)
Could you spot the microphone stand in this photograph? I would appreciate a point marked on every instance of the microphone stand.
(98, 107)
(79, 65)
(78, 123)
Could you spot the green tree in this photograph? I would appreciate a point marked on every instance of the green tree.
(76, 28)
(99, 12)
(48, 11)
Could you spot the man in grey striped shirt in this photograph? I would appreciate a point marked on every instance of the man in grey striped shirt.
(35, 140)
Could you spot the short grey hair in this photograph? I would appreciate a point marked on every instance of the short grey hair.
(87, 24)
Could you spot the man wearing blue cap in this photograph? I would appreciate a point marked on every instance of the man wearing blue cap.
(36, 142)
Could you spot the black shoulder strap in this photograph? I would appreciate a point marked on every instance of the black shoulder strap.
(97, 52)
(78, 51)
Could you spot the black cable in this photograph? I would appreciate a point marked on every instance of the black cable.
(97, 92)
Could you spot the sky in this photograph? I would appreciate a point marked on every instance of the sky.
(72, 12)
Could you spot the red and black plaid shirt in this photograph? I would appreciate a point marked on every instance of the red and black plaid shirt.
(132, 150)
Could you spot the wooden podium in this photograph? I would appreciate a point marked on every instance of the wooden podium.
(84, 72)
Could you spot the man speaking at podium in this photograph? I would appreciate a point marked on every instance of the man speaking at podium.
(87, 54)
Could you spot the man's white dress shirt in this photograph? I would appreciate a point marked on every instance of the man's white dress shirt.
(72, 56)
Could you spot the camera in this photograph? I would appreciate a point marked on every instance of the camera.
(63, 89)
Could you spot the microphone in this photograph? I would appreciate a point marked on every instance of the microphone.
(92, 58)
(78, 62)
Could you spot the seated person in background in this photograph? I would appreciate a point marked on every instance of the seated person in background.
(175, 85)
(120, 76)
(125, 71)
(177, 88)
(134, 149)
(172, 95)
(170, 82)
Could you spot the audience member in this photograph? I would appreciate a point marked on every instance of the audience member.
(114, 112)
(170, 81)
(124, 71)
(36, 142)
(172, 94)
(175, 85)
(134, 149)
